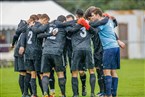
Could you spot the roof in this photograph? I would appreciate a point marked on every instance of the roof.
(13, 12)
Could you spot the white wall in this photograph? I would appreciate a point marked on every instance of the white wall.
(136, 40)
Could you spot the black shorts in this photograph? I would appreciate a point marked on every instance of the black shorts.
(49, 61)
(19, 64)
(82, 59)
(30, 65)
(98, 59)
(37, 63)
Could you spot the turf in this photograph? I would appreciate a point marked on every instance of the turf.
(131, 81)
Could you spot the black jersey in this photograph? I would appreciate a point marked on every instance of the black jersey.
(19, 44)
(54, 44)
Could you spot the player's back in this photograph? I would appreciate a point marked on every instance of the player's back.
(31, 42)
(107, 35)
(81, 40)
(55, 44)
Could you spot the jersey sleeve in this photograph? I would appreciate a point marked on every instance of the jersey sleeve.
(23, 40)
(99, 23)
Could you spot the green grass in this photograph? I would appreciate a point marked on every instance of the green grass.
(131, 81)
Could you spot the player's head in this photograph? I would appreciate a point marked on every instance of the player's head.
(96, 14)
(61, 18)
(69, 17)
(35, 17)
(39, 15)
(31, 19)
(44, 19)
(87, 13)
(79, 13)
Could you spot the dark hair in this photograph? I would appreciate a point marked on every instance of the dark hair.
(61, 18)
(44, 16)
(70, 16)
(97, 10)
(87, 13)
(39, 15)
(34, 17)
(79, 12)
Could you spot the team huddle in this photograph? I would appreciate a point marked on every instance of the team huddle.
(42, 47)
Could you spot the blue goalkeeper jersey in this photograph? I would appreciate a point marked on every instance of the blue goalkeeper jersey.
(107, 35)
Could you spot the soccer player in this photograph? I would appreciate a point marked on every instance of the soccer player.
(82, 55)
(52, 55)
(29, 45)
(111, 54)
(19, 59)
(42, 20)
(98, 51)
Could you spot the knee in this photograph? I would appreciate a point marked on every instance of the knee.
(81, 73)
(114, 73)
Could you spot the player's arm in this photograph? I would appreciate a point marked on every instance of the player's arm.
(65, 24)
(72, 30)
(22, 43)
(42, 28)
(44, 35)
(21, 27)
(120, 43)
(15, 38)
(98, 23)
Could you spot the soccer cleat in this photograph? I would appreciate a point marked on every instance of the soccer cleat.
(52, 94)
(34, 96)
(92, 95)
(84, 93)
(26, 96)
(75, 96)
(45, 95)
(100, 94)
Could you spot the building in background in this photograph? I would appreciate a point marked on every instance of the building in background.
(13, 12)
(131, 29)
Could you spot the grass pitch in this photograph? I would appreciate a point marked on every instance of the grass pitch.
(131, 81)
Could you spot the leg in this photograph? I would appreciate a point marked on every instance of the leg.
(62, 82)
(52, 83)
(21, 81)
(45, 83)
(92, 81)
(33, 83)
(75, 83)
(40, 81)
(83, 80)
(108, 82)
(100, 76)
(114, 82)
(26, 83)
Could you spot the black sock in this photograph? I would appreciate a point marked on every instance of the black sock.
(21, 82)
(40, 82)
(33, 86)
(101, 85)
(45, 83)
(26, 83)
(62, 83)
(83, 80)
(30, 89)
(100, 79)
(75, 85)
(65, 75)
(52, 80)
(92, 82)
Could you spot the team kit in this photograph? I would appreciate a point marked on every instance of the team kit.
(82, 42)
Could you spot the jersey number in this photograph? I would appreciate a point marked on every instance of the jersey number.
(30, 34)
(52, 30)
(83, 33)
